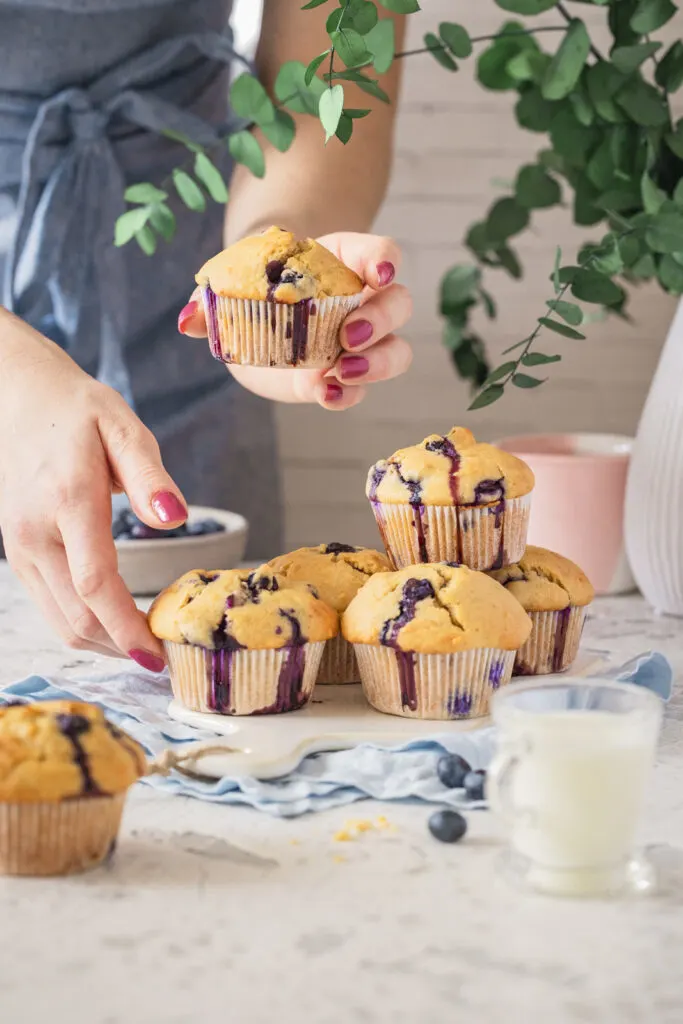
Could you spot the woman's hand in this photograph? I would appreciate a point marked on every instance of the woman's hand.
(67, 444)
(373, 350)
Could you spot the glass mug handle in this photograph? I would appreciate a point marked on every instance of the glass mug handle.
(499, 780)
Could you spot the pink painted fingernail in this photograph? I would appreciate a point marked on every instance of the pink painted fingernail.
(186, 314)
(152, 662)
(358, 332)
(386, 272)
(168, 507)
(354, 366)
(333, 392)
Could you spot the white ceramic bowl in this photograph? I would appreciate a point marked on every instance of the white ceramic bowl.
(147, 566)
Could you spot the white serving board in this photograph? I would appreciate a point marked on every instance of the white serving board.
(338, 718)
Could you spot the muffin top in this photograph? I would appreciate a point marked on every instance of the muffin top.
(435, 609)
(543, 581)
(451, 470)
(58, 749)
(233, 610)
(277, 267)
(337, 571)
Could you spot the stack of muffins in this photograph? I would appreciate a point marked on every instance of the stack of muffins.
(431, 629)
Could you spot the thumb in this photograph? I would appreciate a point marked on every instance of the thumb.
(136, 467)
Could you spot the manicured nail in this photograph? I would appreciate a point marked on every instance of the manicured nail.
(354, 366)
(358, 332)
(152, 662)
(168, 507)
(333, 392)
(386, 272)
(186, 314)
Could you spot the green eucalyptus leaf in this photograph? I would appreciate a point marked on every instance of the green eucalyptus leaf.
(280, 132)
(506, 218)
(556, 270)
(189, 191)
(363, 16)
(488, 303)
(560, 328)
(524, 380)
(162, 219)
(539, 359)
(500, 371)
(129, 223)
(629, 58)
(678, 194)
(145, 193)
(194, 147)
(572, 140)
(401, 6)
(533, 112)
(368, 85)
(619, 16)
(606, 257)
(669, 72)
(314, 65)
(567, 274)
(492, 63)
(439, 52)
(581, 105)
(566, 66)
(630, 248)
(313, 3)
(250, 100)
(535, 189)
(651, 15)
(355, 114)
(508, 260)
(643, 103)
(569, 311)
(487, 397)
(292, 90)
(456, 38)
(603, 81)
(147, 240)
(591, 286)
(330, 109)
(526, 6)
(653, 197)
(644, 268)
(477, 240)
(600, 167)
(621, 200)
(211, 178)
(334, 19)
(665, 233)
(344, 128)
(670, 274)
(350, 47)
(470, 361)
(381, 42)
(674, 140)
(246, 149)
(458, 284)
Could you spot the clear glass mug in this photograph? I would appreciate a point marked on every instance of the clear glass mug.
(569, 781)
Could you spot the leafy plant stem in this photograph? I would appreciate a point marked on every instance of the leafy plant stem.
(485, 39)
(568, 18)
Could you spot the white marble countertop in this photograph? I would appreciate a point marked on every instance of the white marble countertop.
(211, 913)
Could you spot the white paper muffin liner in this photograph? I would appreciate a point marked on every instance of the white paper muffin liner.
(246, 682)
(553, 643)
(338, 663)
(479, 536)
(58, 837)
(261, 333)
(433, 686)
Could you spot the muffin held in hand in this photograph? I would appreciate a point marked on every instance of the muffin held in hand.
(64, 773)
(271, 300)
(452, 499)
(337, 571)
(433, 641)
(242, 643)
(555, 593)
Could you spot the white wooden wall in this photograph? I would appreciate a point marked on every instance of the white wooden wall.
(453, 139)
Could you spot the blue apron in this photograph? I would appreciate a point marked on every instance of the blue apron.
(85, 87)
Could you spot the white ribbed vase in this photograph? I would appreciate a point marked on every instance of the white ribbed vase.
(654, 493)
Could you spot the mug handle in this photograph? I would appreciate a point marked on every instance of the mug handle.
(499, 781)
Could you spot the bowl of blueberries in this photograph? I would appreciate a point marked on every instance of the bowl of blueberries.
(151, 559)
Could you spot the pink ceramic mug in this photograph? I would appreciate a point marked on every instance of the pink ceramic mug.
(577, 507)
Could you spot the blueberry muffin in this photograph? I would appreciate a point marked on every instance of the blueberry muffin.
(337, 571)
(433, 641)
(452, 499)
(64, 774)
(240, 642)
(271, 300)
(555, 593)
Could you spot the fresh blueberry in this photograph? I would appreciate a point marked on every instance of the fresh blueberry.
(447, 826)
(452, 769)
(202, 527)
(474, 783)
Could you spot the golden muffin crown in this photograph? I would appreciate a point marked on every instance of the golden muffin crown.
(337, 571)
(435, 609)
(454, 469)
(58, 749)
(236, 609)
(543, 581)
(275, 266)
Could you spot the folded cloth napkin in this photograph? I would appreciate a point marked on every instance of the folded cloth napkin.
(137, 702)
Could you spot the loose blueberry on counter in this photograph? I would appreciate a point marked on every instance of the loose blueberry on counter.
(127, 526)
(474, 783)
(447, 826)
(452, 769)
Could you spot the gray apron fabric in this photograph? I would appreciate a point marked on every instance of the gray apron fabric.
(85, 87)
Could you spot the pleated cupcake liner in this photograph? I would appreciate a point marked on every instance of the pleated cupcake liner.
(243, 682)
(58, 837)
(553, 643)
(479, 536)
(338, 663)
(250, 332)
(432, 686)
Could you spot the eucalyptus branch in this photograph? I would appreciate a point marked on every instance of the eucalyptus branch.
(485, 39)
(568, 18)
